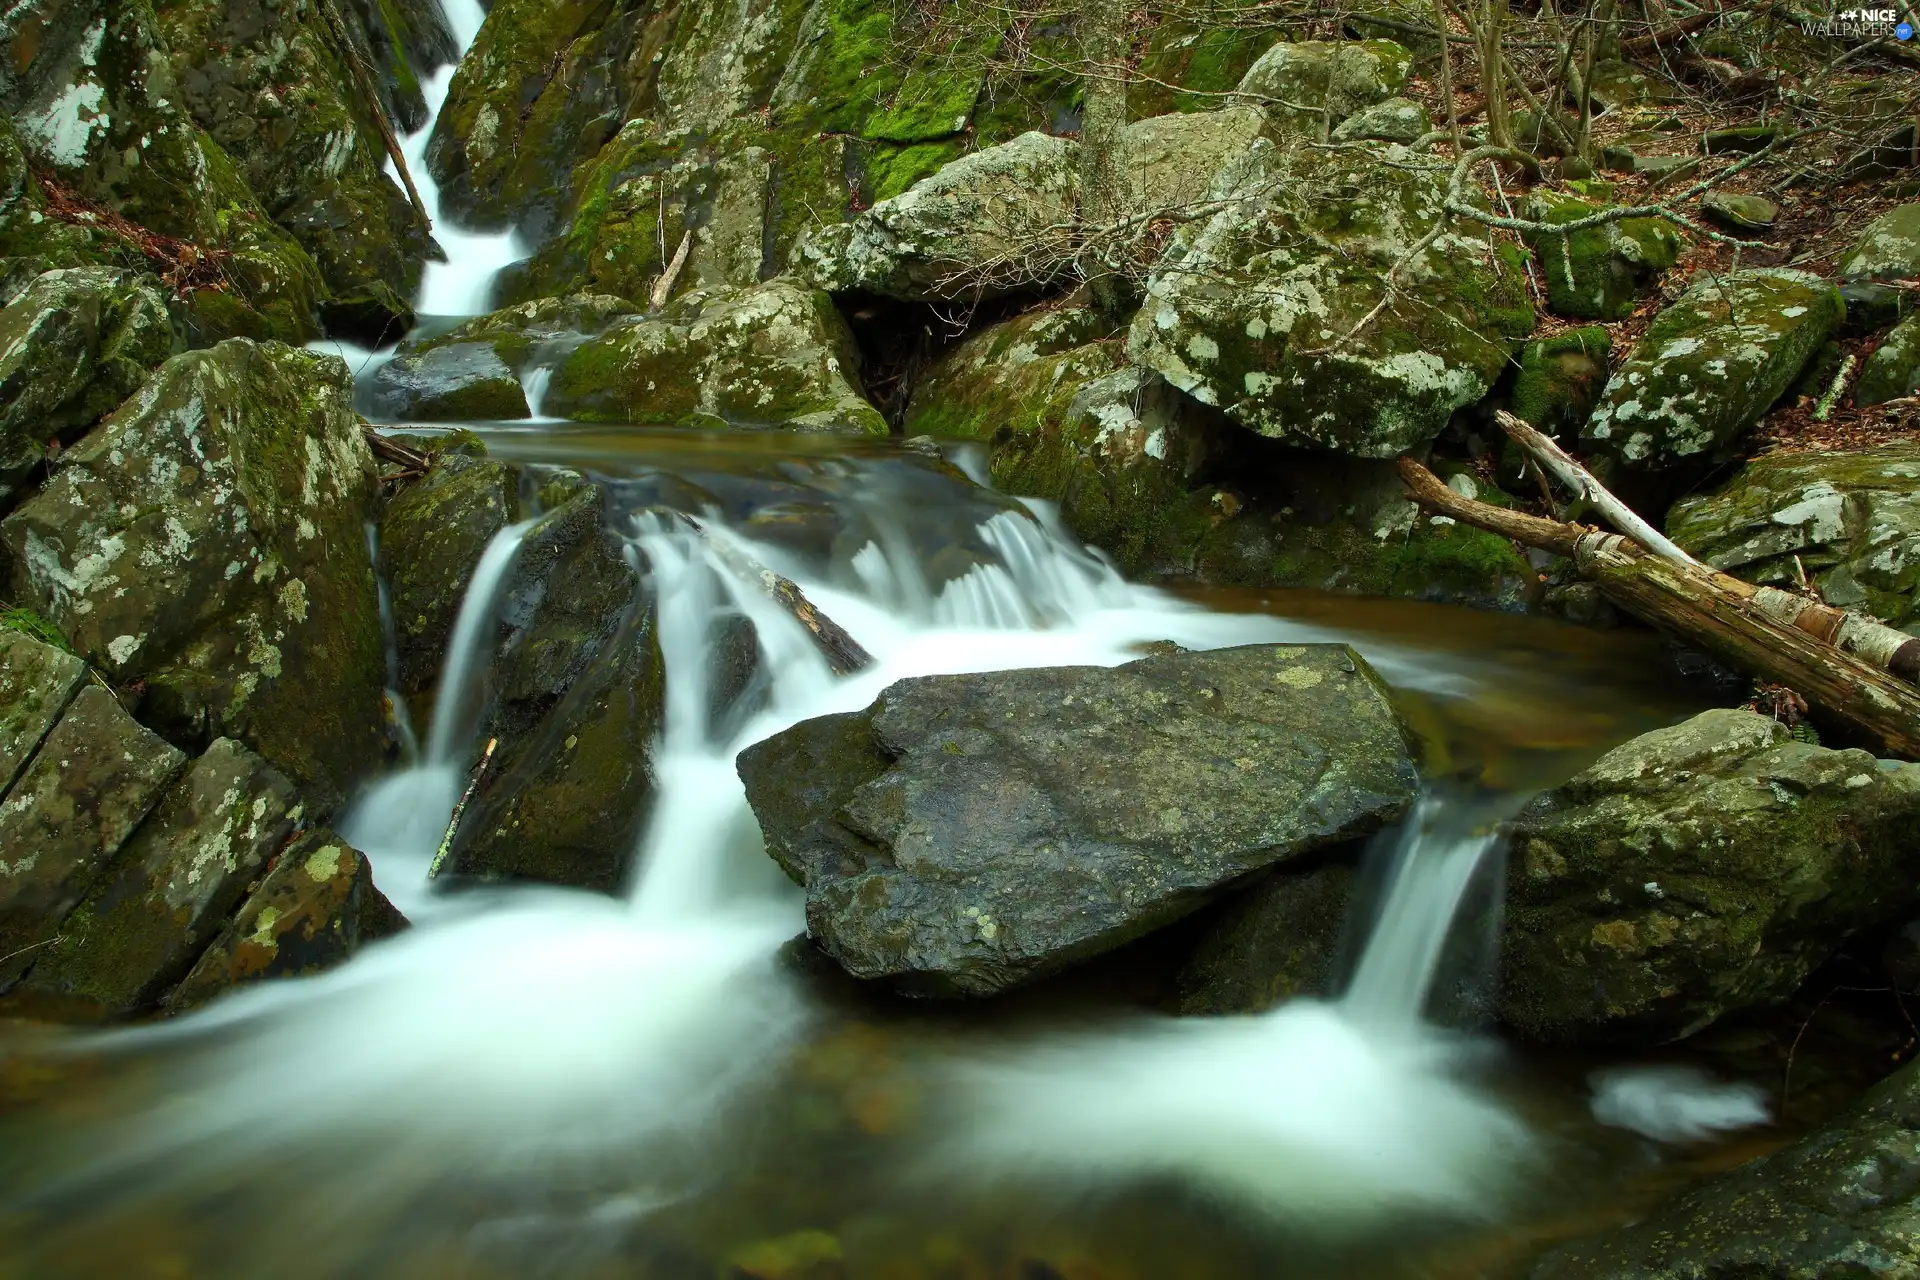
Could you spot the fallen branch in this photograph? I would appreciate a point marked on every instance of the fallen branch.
(1856, 671)
(663, 287)
(459, 810)
(1577, 478)
(1823, 410)
(843, 653)
(363, 80)
(387, 449)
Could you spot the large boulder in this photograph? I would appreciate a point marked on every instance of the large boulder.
(1171, 160)
(1276, 941)
(1839, 1202)
(314, 910)
(1849, 518)
(966, 834)
(94, 778)
(1559, 379)
(1711, 364)
(169, 891)
(73, 345)
(1311, 87)
(1697, 871)
(1600, 273)
(1889, 249)
(1279, 311)
(774, 354)
(206, 546)
(1892, 372)
(37, 681)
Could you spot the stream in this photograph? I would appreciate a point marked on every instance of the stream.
(544, 1082)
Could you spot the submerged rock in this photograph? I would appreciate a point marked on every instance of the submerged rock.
(773, 355)
(316, 907)
(169, 891)
(95, 776)
(1603, 272)
(73, 344)
(1839, 1202)
(1277, 309)
(1697, 871)
(1712, 363)
(966, 834)
(1851, 516)
(207, 545)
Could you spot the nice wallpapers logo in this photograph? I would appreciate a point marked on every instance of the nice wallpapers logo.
(1865, 24)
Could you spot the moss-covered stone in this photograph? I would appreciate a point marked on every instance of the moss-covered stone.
(1278, 311)
(1893, 370)
(432, 536)
(1278, 940)
(1308, 88)
(1889, 249)
(207, 545)
(73, 345)
(1696, 871)
(37, 681)
(1395, 120)
(774, 355)
(1560, 379)
(1711, 364)
(1603, 272)
(1852, 517)
(1187, 66)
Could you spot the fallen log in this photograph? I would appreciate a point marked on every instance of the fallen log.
(1577, 478)
(1766, 633)
(843, 653)
(387, 449)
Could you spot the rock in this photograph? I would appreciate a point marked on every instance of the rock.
(37, 681)
(1711, 364)
(1395, 120)
(1851, 516)
(581, 700)
(802, 1255)
(207, 544)
(1740, 213)
(73, 344)
(316, 907)
(1836, 1203)
(91, 82)
(1560, 379)
(990, 223)
(1171, 159)
(966, 834)
(1744, 139)
(1603, 272)
(773, 355)
(1249, 311)
(96, 775)
(1697, 871)
(431, 539)
(1893, 370)
(1872, 307)
(1276, 941)
(448, 382)
(1309, 87)
(1889, 249)
(170, 890)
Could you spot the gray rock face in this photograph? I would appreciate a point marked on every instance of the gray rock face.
(460, 382)
(1395, 120)
(1852, 517)
(169, 892)
(966, 834)
(1889, 249)
(96, 775)
(1696, 871)
(1309, 87)
(1712, 363)
(1893, 370)
(1838, 1203)
(73, 345)
(37, 681)
(1171, 159)
(1268, 309)
(209, 540)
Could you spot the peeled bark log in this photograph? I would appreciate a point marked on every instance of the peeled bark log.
(1784, 641)
(1577, 478)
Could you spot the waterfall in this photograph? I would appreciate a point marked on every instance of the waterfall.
(468, 648)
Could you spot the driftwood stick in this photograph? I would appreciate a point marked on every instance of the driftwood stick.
(387, 449)
(843, 653)
(1771, 634)
(663, 287)
(459, 810)
(363, 80)
(1577, 478)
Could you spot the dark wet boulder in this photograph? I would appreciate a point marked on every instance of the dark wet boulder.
(1600, 273)
(448, 382)
(1697, 871)
(1711, 364)
(73, 345)
(1275, 941)
(1848, 518)
(966, 834)
(169, 891)
(37, 681)
(206, 545)
(774, 354)
(94, 778)
(1277, 309)
(432, 536)
(1840, 1202)
(315, 908)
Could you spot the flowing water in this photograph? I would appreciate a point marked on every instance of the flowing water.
(544, 1082)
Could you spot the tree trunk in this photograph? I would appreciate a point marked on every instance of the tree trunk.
(1103, 123)
(1736, 622)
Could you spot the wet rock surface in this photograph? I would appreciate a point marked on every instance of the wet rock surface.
(966, 834)
(456, 382)
(1696, 871)
(1278, 940)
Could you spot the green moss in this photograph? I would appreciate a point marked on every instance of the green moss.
(1603, 272)
(1560, 379)
(891, 170)
(1195, 66)
(30, 623)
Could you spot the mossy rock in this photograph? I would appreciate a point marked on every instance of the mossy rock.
(432, 536)
(1560, 379)
(1893, 370)
(1851, 517)
(1711, 364)
(1309, 88)
(1889, 249)
(1603, 272)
